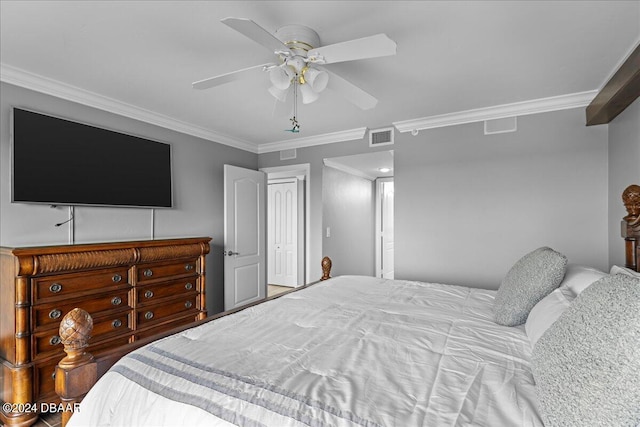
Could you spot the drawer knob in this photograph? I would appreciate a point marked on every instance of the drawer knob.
(55, 288)
(53, 375)
(55, 340)
(148, 294)
(188, 286)
(116, 278)
(189, 267)
(116, 323)
(55, 313)
(148, 273)
(188, 304)
(148, 315)
(116, 301)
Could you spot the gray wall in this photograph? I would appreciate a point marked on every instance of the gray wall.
(624, 170)
(467, 206)
(197, 179)
(348, 208)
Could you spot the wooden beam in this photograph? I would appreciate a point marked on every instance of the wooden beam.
(619, 92)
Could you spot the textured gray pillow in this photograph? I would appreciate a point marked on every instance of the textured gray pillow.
(587, 364)
(531, 278)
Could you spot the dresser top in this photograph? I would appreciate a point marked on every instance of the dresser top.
(84, 247)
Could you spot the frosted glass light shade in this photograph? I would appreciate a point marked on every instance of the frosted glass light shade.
(308, 95)
(279, 78)
(317, 79)
(279, 94)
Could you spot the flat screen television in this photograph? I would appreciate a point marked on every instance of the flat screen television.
(61, 162)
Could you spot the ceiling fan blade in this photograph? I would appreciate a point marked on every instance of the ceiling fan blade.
(226, 78)
(256, 33)
(366, 47)
(351, 92)
(282, 110)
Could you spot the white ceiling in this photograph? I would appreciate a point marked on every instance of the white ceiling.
(366, 165)
(140, 58)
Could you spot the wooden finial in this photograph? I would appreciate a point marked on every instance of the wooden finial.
(326, 268)
(75, 332)
(77, 372)
(631, 200)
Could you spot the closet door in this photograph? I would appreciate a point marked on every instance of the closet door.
(385, 242)
(282, 244)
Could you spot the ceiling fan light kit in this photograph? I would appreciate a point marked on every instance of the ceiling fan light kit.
(280, 77)
(279, 94)
(299, 54)
(317, 79)
(308, 94)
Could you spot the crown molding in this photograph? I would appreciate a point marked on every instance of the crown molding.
(327, 138)
(332, 164)
(38, 83)
(622, 60)
(535, 106)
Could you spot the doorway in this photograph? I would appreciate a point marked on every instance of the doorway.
(284, 221)
(353, 219)
(287, 226)
(384, 228)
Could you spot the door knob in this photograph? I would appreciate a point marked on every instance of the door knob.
(230, 253)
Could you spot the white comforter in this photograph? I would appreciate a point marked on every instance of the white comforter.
(349, 351)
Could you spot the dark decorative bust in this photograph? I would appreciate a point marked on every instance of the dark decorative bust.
(631, 200)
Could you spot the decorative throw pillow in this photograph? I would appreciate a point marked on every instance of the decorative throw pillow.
(545, 313)
(578, 277)
(587, 365)
(530, 279)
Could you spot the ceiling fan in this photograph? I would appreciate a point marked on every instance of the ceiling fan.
(300, 60)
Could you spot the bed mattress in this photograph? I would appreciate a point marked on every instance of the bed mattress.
(350, 351)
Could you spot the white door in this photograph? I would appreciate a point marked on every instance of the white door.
(244, 236)
(385, 235)
(282, 240)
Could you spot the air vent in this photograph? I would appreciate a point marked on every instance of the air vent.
(380, 137)
(288, 154)
(508, 124)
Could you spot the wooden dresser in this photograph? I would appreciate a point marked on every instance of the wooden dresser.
(132, 290)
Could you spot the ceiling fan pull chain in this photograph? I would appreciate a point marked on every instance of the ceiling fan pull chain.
(294, 119)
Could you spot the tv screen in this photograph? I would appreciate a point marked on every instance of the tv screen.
(61, 162)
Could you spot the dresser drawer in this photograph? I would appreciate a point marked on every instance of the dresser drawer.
(151, 294)
(45, 380)
(159, 312)
(46, 343)
(47, 314)
(154, 272)
(63, 286)
(174, 323)
(44, 373)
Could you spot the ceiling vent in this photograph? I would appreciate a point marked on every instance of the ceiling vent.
(288, 154)
(382, 136)
(507, 124)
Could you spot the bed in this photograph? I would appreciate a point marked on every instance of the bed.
(363, 351)
(348, 351)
